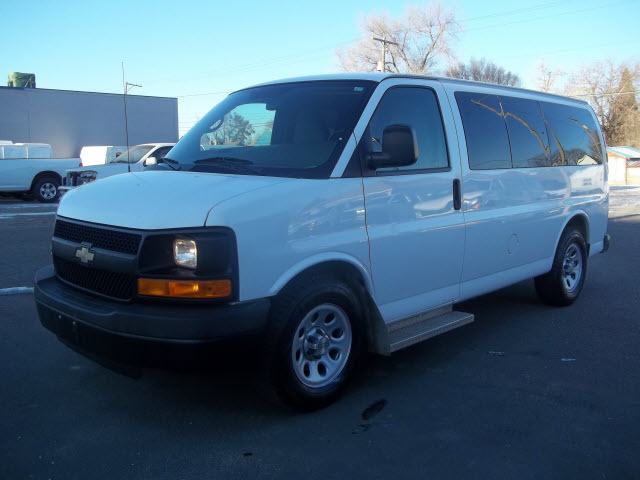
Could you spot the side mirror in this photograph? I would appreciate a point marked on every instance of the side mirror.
(118, 154)
(399, 148)
(150, 161)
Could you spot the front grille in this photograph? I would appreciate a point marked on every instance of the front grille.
(113, 240)
(70, 179)
(112, 284)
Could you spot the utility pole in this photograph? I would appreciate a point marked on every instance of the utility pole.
(383, 57)
(126, 87)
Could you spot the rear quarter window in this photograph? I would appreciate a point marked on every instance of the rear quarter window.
(573, 135)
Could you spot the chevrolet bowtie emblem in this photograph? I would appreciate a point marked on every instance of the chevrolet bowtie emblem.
(84, 253)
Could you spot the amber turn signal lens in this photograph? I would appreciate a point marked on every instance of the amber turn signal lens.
(184, 289)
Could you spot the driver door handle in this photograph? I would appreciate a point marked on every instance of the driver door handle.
(457, 195)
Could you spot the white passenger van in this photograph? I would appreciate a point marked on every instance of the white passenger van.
(329, 216)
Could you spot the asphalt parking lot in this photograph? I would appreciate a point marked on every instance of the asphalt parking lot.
(526, 391)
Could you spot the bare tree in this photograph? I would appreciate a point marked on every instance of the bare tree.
(611, 89)
(547, 77)
(483, 71)
(423, 37)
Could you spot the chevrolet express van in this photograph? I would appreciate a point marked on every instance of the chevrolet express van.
(330, 216)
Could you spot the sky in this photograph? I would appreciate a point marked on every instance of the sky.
(199, 51)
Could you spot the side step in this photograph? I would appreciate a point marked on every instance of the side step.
(412, 330)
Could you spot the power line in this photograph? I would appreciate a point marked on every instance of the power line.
(555, 15)
(202, 94)
(607, 94)
(565, 51)
(512, 12)
(307, 53)
(252, 66)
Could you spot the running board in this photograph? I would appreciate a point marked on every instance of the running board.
(412, 330)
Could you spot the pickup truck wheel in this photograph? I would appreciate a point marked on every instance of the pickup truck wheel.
(46, 190)
(315, 340)
(563, 284)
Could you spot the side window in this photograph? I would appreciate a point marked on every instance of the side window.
(573, 135)
(418, 108)
(485, 131)
(161, 153)
(527, 135)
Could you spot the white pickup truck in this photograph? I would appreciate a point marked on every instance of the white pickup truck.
(138, 157)
(28, 168)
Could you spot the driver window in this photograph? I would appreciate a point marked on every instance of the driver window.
(245, 126)
(161, 153)
(418, 108)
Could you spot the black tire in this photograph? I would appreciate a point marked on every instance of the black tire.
(556, 287)
(290, 308)
(45, 190)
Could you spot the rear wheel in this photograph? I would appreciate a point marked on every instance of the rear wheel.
(317, 337)
(46, 190)
(563, 284)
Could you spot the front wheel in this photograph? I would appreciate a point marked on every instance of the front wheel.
(317, 338)
(563, 284)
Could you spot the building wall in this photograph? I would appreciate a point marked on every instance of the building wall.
(70, 120)
(633, 176)
(617, 169)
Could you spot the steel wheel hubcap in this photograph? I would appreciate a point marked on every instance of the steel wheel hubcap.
(48, 191)
(572, 268)
(321, 345)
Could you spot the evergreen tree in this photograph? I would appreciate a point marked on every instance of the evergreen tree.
(624, 128)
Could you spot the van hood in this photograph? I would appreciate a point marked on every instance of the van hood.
(157, 200)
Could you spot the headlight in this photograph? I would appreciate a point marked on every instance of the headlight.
(86, 177)
(185, 253)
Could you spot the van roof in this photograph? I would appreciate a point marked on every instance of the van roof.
(379, 77)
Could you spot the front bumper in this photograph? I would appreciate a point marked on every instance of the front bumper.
(63, 189)
(79, 318)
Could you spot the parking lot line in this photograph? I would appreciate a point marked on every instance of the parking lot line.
(16, 290)
(16, 206)
(33, 214)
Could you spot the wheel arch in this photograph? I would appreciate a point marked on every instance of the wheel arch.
(580, 220)
(353, 271)
(335, 263)
(46, 173)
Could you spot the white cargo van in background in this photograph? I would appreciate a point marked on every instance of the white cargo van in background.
(99, 155)
(327, 216)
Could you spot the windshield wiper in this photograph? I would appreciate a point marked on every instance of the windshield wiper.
(223, 159)
(232, 163)
(169, 161)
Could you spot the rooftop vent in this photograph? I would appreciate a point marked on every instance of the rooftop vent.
(22, 80)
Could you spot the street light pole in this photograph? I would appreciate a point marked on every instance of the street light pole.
(383, 56)
(126, 87)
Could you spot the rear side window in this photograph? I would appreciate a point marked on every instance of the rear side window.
(485, 131)
(418, 108)
(573, 135)
(527, 135)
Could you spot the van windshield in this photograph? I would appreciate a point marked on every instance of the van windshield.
(133, 155)
(288, 130)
